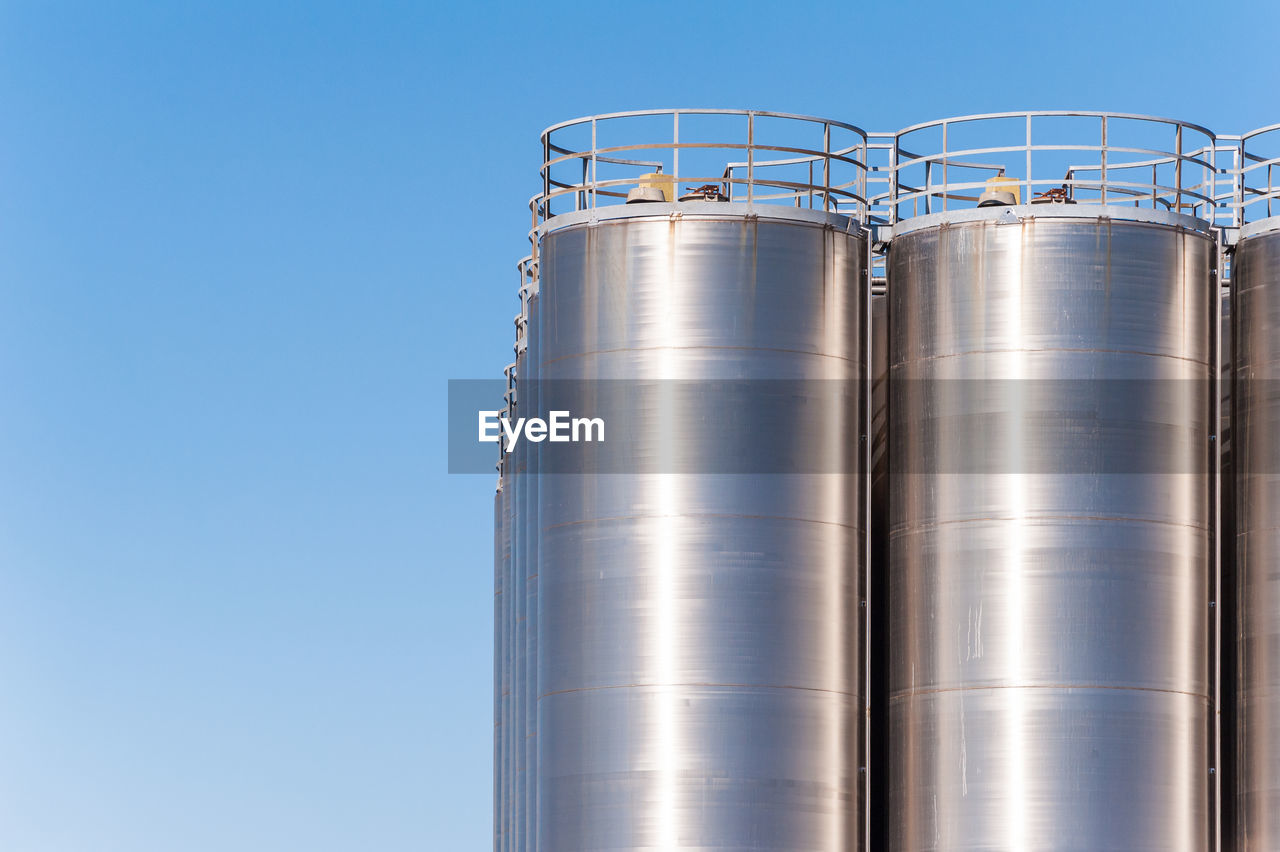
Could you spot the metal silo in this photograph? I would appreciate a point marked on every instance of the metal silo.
(1052, 411)
(1255, 284)
(532, 542)
(499, 658)
(520, 561)
(504, 618)
(698, 650)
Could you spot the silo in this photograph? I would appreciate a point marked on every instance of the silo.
(499, 660)
(1255, 284)
(1051, 510)
(519, 601)
(504, 617)
(532, 542)
(699, 657)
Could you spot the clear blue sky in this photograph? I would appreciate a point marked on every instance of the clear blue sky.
(242, 248)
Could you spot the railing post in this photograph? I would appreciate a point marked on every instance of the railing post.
(928, 187)
(1104, 161)
(546, 178)
(1027, 198)
(1209, 178)
(1270, 185)
(1237, 181)
(593, 163)
(826, 168)
(864, 179)
(675, 151)
(751, 155)
(945, 173)
(533, 232)
(893, 181)
(1177, 172)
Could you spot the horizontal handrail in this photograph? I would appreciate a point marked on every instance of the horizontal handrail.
(871, 176)
(1258, 174)
(836, 169)
(1024, 162)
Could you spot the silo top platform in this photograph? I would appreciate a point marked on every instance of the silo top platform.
(701, 158)
(1057, 159)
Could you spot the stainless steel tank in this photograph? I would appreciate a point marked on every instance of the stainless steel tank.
(499, 658)
(504, 623)
(1256, 453)
(1051, 539)
(532, 548)
(520, 561)
(699, 660)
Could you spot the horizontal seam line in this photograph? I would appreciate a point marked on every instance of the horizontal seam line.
(929, 358)
(698, 515)
(692, 349)
(907, 530)
(716, 685)
(909, 693)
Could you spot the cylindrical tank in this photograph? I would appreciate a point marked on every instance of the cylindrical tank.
(499, 661)
(699, 658)
(532, 548)
(520, 560)
(1256, 456)
(1051, 538)
(504, 638)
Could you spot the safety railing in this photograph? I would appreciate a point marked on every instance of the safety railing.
(702, 154)
(528, 269)
(1258, 187)
(1227, 156)
(1058, 156)
(508, 403)
(879, 180)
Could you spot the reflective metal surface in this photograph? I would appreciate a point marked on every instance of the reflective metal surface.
(501, 551)
(1256, 421)
(1050, 685)
(699, 661)
(505, 636)
(518, 482)
(529, 509)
